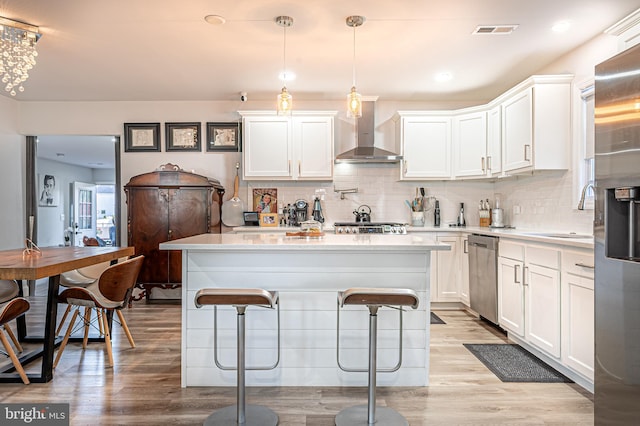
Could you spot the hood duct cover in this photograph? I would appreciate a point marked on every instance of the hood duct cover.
(365, 151)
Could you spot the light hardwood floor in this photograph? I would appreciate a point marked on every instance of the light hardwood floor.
(144, 386)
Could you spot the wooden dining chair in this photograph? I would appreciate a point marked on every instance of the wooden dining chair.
(110, 292)
(9, 289)
(9, 311)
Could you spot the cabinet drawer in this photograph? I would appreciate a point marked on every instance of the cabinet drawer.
(578, 263)
(542, 256)
(511, 250)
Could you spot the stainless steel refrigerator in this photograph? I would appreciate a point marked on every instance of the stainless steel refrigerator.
(617, 246)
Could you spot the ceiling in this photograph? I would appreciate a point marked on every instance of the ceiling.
(124, 50)
(94, 152)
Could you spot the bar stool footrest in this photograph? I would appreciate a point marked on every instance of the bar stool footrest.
(255, 415)
(357, 415)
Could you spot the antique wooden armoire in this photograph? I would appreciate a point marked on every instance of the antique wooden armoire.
(167, 204)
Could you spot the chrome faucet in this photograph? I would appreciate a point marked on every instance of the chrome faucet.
(583, 195)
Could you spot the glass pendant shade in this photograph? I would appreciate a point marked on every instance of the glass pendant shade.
(354, 104)
(285, 102)
(17, 53)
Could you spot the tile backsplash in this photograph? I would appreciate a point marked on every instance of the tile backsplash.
(544, 202)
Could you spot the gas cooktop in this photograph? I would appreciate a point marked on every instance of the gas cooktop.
(391, 228)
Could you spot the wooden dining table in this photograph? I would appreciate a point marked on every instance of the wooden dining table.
(49, 263)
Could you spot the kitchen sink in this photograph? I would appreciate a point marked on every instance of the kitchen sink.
(560, 235)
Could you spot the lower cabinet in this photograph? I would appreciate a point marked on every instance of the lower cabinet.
(510, 295)
(446, 273)
(464, 279)
(578, 311)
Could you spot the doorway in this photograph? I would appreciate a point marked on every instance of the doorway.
(73, 188)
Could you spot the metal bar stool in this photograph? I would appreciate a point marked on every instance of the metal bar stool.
(373, 298)
(240, 298)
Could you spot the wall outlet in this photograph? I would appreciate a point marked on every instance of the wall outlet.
(516, 209)
(61, 217)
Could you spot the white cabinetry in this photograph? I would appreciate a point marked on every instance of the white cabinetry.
(446, 267)
(464, 279)
(536, 125)
(494, 141)
(299, 147)
(529, 294)
(578, 311)
(470, 144)
(425, 140)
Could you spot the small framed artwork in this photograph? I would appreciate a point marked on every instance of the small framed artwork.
(141, 137)
(268, 219)
(224, 136)
(265, 200)
(49, 193)
(182, 136)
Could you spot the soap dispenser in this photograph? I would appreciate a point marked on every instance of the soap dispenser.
(436, 215)
(461, 221)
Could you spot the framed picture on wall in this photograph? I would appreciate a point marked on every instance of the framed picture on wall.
(141, 137)
(223, 136)
(182, 136)
(49, 192)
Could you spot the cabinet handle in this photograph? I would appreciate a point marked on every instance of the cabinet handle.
(170, 232)
(524, 276)
(527, 149)
(516, 275)
(405, 167)
(584, 265)
(483, 168)
(289, 167)
(299, 167)
(489, 163)
(466, 246)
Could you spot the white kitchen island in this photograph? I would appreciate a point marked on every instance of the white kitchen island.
(308, 273)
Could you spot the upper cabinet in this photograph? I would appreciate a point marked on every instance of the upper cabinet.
(536, 125)
(299, 147)
(470, 145)
(425, 140)
(494, 141)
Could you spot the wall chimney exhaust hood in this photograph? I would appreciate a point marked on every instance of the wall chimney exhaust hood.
(365, 151)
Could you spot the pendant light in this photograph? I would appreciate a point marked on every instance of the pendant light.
(285, 100)
(354, 99)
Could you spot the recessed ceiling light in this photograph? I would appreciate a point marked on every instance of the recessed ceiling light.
(287, 76)
(561, 26)
(215, 19)
(443, 76)
(59, 154)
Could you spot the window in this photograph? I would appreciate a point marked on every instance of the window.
(586, 147)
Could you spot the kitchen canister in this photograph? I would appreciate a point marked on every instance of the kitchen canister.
(417, 218)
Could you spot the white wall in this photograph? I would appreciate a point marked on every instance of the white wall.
(12, 176)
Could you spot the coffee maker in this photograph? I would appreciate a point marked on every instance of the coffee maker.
(298, 212)
(317, 211)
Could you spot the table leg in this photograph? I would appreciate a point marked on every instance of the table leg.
(21, 322)
(50, 328)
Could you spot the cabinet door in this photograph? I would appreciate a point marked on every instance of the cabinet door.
(426, 147)
(511, 295)
(577, 323)
(542, 296)
(517, 125)
(448, 270)
(464, 279)
(494, 142)
(313, 147)
(188, 215)
(148, 226)
(470, 144)
(267, 151)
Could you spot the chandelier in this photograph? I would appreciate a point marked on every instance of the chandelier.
(17, 53)
(354, 99)
(285, 100)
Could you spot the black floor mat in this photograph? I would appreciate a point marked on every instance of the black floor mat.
(436, 319)
(511, 363)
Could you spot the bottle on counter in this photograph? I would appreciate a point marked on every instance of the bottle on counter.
(461, 221)
(436, 215)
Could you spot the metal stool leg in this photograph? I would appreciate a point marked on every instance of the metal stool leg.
(242, 414)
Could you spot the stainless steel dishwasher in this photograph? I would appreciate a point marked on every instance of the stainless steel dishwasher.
(483, 276)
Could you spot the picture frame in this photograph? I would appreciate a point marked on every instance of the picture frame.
(265, 200)
(141, 137)
(268, 219)
(182, 136)
(224, 137)
(49, 191)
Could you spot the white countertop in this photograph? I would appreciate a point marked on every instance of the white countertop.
(278, 241)
(511, 233)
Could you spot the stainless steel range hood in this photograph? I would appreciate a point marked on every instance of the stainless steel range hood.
(365, 151)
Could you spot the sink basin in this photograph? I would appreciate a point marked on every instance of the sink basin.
(561, 235)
